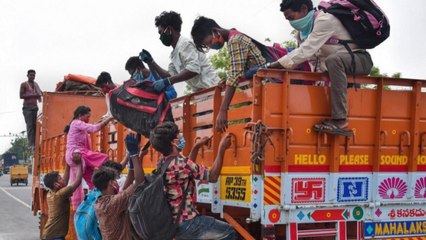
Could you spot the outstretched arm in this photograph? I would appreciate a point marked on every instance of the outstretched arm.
(163, 73)
(125, 160)
(67, 174)
(132, 145)
(139, 172)
(182, 76)
(225, 143)
(194, 151)
(222, 117)
(78, 178)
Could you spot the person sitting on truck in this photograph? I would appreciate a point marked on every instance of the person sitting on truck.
(78, 143)
(58, 202)
(31, 93)
(139, 72)
(243, 53)
(111, 208)
(314, 33)
(181, 174)
(187, 64)
(104, 81)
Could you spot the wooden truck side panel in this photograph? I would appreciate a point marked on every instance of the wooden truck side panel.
(280, 173)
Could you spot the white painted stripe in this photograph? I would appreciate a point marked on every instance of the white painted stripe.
(16, 188)
(17, 199)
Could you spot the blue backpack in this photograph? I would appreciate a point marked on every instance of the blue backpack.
(85, 221)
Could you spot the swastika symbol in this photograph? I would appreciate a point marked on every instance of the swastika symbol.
(305, 190)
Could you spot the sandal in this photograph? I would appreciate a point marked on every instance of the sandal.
(331, 128)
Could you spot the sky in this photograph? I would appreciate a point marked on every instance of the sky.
(58, 37)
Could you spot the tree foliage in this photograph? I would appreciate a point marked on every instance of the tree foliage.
(220, 61)
(375, 72)
(19, 147)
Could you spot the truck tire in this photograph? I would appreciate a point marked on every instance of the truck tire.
(26, 182)
(11, 182)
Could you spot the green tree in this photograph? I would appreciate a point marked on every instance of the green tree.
(187, 90)
(20, 147)
(375, 72)
(220, 61)
(292, 43)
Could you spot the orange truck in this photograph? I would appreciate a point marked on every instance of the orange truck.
(280, 179)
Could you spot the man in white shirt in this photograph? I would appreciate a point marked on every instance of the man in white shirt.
(314, 34)
(187, 64)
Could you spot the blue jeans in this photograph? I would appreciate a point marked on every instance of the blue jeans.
(205, 227)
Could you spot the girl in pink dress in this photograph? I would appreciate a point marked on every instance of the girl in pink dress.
(78, 145)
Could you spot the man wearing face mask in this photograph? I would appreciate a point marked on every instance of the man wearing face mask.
(139, 72)
(187, 64)
(111, 208)
(243, 54)
(315, 32)
(180, 177)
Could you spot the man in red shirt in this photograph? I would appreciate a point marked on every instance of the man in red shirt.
(31, 93)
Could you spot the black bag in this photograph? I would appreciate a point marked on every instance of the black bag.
(149, 209)
(139, 107)
(363, 19)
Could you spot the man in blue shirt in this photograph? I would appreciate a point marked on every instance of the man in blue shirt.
(139, 72)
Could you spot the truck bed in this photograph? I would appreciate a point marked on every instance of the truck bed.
(278, 171)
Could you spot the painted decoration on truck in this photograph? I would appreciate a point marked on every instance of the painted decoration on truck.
(394, 229)
(274, 215)
(307, 190)
(272, 190)
(392, 188)
(204, 191)
(312, 215)
(352, 189)
(322, 215)
(400, 213)
(420, 189)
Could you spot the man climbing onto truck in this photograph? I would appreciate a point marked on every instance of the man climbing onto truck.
(315, 29)
(181, 174)
(112, 207)
(58, 201)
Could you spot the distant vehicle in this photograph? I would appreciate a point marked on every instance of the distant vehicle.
(9, 159)
(18, 174)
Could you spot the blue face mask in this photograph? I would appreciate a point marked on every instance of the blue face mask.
(304, 25)
(181, 144)
(138, 76)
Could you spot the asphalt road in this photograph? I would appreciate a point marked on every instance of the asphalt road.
(16, 218)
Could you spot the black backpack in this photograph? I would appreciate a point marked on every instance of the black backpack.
(139, 107)
(149, 209)
(363, 19)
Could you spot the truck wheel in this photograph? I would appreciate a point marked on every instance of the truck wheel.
(11, 182)
(26, 182)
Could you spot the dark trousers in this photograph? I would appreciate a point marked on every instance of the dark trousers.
(30, 115)
(338, 66)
